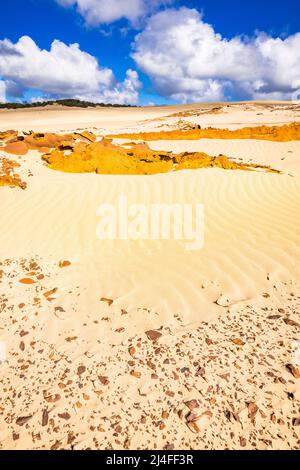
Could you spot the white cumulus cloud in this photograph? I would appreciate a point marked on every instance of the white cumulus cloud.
(2, 92)
(188, 60)
(63, 71)
(98, 12)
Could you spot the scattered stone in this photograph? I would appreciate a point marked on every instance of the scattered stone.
(200, 372)
(45, 417)
(104, 380)
(59, 309)
(252, 410)
(27, 281)
(64, 264)
(192, 417)
(295, 371)
(65, 416)
(222, 301)
(290, 322)
(71, 438)
(52, 398)
(127, 443)
(106, 300)
(48, 294)
(151, 365)
(71, 338)
(81, 370)
(225, 377)
(193, 427)
(169, 447)
(132, 351)
(56, 445)
(192, 404)
(120, 330)
(23, 420)
(238, 341)
(136, 374)
(23, 333)
(153, 335)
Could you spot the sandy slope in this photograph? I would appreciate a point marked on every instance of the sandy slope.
(59, 118)
(247, 271)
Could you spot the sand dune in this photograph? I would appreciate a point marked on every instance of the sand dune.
(57, 119)
(81, 373)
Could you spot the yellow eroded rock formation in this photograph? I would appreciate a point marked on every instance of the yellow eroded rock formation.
(106, 158)
(287, 133)
(8, 177)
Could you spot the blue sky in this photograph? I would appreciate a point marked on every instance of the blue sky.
(113, 43)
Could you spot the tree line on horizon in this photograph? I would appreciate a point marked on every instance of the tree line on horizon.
(64, 102)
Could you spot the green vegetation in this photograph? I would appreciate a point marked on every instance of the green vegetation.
(72, 103)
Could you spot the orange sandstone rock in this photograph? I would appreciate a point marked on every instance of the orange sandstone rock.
(43, 142)
(19, 145)
(27, 281)
(6, 135)
(106, 158)
(16, 148)
(64, 264)
(47, 141)
(8, 177)
(284, 133)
